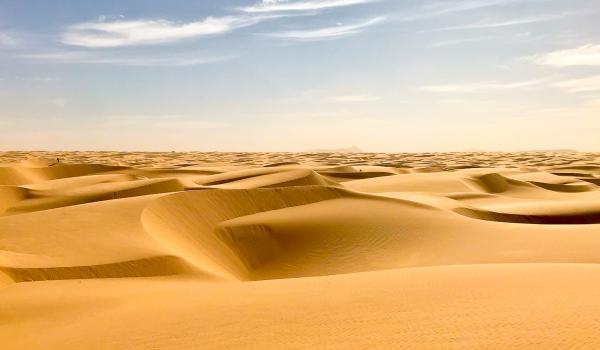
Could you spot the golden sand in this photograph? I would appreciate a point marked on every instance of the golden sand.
(117, 250)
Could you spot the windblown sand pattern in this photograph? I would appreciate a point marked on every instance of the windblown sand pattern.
(126, 250)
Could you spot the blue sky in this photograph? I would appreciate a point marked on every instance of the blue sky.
(295, 75)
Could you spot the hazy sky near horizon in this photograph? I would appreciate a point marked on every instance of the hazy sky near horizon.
(276, 75)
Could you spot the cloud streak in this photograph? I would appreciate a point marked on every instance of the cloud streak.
(580, 85)
(455, 42)
(104, 34)
(327, 32)
(500, 24)
(309, 5)
(139, 60)
(452, 7)
(482, 86)
(586, 55)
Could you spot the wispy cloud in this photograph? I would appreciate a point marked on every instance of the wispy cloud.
(451, 7)
(327, 32)
(455, 42)
(521, 37)
(586, 55)
(141, 60)
(482, 86)
(587, 112)
(39, 79)
(571, 86)
(7, 39)
(306, 5)
(356, 98)
(164, 121)
(459, 6)
(499, 24)
(580, 85)
(102, 34)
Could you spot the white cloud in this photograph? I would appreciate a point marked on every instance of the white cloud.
(327, 32)
(356, 98)
(8, 40)
(143, 32)
(570, 86)
(173, 60)
(307, 5)
(586, 55)
(482, 86)
(580, 85)
(499, 24)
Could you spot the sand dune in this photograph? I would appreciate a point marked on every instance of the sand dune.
(104, 250)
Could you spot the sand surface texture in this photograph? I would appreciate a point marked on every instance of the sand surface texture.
(117, 250)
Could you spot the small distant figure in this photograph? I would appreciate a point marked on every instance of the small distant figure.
(57, 160)
(49, 162)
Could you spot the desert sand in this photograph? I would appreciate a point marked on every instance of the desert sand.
(134, 250)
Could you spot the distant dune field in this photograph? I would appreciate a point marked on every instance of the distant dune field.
(134, 250)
